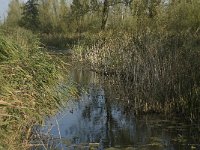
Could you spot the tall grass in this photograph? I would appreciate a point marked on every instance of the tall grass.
(158, 61)
(29, 90)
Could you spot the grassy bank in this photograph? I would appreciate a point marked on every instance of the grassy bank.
(156, 59)
(29, 90)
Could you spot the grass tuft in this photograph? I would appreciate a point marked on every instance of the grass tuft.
(29, 79)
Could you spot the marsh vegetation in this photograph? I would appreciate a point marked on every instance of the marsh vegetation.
(148, 50)
(28, 83)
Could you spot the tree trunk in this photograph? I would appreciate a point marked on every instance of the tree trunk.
(105, 14)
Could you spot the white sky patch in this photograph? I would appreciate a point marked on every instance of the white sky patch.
(4, 8)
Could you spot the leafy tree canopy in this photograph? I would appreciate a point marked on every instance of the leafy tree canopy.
(30, 15)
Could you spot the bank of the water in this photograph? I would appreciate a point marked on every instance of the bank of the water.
(157, 56)
(30, 87)
(100, 119)
(160, 68)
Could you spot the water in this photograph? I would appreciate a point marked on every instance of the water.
(95, 121)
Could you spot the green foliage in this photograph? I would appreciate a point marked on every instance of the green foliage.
(157, 58)
(14, 13)
(60, 41)
(30, 15)
(153, 44)
(53, 16)
(151, 47)
(29, 79)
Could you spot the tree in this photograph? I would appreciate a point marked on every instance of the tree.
(79, 10)
(145, 7)
(105, 14)
(14, 13)
(152, 4)
(63, 15)
(106, 6)
(30, 15)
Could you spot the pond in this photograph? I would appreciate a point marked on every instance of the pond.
(97, 120)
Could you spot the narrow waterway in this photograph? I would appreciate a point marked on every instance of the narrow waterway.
(96, 121)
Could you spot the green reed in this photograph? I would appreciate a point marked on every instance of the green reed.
(30, 86)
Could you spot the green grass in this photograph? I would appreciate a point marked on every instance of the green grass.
(29, 87)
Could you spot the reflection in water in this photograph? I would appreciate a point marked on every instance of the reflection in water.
(92, 120)
(96, 119)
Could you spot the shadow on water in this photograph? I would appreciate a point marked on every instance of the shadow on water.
(95, 121)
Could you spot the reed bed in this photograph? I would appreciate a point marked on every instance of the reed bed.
(157, 62)
(29, 90)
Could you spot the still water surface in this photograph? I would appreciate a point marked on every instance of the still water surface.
(95, 122)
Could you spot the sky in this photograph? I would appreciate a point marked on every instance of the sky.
(3, 8)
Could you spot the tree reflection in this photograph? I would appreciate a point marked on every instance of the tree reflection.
(105, 115)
